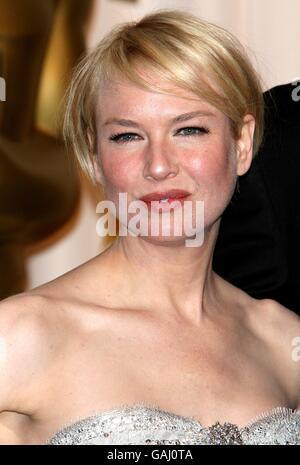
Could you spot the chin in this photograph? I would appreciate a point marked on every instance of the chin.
(175, 241)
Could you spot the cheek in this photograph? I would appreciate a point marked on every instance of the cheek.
(219, 170)
(214, 175)
(213, 166)
(119, 175)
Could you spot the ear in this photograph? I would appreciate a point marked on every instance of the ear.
(244, 145)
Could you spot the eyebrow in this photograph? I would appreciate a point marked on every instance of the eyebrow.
(183, 117)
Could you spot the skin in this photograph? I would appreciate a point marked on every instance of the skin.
(206, 165)
(149, 316)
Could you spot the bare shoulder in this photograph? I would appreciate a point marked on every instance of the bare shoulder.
(268, 319)
(278, 318)
(281, 329)
(27, 346)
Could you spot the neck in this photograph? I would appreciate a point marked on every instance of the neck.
(171, 276)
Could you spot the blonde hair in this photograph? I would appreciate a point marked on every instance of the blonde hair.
(178, 47)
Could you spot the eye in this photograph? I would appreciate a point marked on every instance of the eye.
(193, 131)
(123, 137)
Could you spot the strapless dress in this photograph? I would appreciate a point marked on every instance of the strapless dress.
(142, 424)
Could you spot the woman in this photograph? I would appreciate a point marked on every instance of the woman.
(145, 343)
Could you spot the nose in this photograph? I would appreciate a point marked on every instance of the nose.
(159, 162)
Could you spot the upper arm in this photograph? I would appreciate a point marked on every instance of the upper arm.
(28, 346)
(295, 343)
(23, 351)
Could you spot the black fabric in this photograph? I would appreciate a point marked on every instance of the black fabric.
(258, 245)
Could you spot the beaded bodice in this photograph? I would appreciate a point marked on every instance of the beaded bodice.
(140, 424)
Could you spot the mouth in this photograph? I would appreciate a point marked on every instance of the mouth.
(165, 197)
(163, 200)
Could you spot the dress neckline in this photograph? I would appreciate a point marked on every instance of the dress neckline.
(154, 408)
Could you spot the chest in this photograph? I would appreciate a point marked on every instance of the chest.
(189, 379)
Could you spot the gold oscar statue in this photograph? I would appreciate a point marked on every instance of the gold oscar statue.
(40, 41)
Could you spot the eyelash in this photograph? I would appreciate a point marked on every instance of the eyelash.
(117, 137)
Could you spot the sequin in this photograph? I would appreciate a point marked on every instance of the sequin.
(227, 433)
(139, 424)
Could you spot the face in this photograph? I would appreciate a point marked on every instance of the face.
(151, 142)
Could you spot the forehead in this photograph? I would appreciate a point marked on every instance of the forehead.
(120, 95)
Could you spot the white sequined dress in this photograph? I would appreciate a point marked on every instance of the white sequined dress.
(140, 424)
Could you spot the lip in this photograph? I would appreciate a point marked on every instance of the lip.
(173, 194)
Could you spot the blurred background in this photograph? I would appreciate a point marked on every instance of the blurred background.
(48, 211)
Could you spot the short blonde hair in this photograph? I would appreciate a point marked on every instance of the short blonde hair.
(179, 48)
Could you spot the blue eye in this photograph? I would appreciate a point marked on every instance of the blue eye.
(194, 131)
(124, 137)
